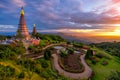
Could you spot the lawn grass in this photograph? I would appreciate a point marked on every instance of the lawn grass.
(100, 51)
(42, 43)
(103, 71)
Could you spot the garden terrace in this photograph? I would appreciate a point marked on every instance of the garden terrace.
(71, 63)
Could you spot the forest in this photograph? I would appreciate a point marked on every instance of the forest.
(112, 48)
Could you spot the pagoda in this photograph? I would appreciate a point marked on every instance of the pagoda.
(22, 27)
(34, 29)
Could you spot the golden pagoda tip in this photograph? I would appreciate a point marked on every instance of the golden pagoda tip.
(34, 25)
(22, 11)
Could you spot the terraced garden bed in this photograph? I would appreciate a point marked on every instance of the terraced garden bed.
(71, 63)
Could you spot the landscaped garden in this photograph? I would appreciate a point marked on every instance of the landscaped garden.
(12, 68)
(70, 62)
(104, 65)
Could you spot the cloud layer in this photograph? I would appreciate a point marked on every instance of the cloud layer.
(62, 14)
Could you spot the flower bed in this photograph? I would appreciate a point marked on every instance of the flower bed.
(71, 63)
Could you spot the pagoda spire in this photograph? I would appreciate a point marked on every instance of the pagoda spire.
(34, 29)
(22, 25)
(22, 11)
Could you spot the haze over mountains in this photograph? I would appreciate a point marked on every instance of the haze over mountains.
(77, 37)
(89, 39)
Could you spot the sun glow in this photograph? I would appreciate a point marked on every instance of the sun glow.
(116, 32)
(117, 25)
(81, 30)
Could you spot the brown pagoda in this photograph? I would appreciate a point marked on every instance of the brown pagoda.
(22, 27)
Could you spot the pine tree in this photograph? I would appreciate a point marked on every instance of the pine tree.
(89, 53)
(47, 54)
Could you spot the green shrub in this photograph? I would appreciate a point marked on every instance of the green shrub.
(63, 53)
(6, 71)
(36, 70)
(37, 51)
(104, 62)
(70, 50)
(44, 64)
(114, 76)
(79, 45)
(42, 43)
(89, 53)
(99, 55)
(21, 75)
(102, 55)
(94, 58)
(47, 54)
(27, 63)
(7, 53)
(93, 62)
(97, 59)
(51, 73)
(45, 74)
(30, 47)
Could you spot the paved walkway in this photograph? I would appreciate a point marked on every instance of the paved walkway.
(31, 55)
(86, 74)
(52, 45)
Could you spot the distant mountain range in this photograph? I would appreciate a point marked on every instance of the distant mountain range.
(89, 39)
(77, 38)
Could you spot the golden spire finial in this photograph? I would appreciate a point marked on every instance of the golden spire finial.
(34, 25)
(22, 11)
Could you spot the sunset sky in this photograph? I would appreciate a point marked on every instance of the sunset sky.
(87, 17)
